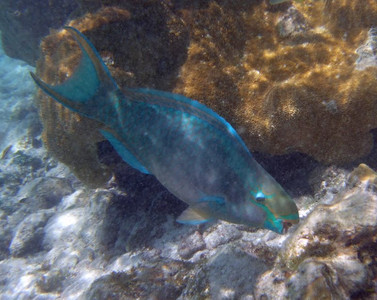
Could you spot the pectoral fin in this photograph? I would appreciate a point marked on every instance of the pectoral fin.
(123, 152)
(191, 217)
(205, 210)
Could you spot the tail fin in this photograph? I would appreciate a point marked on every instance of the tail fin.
(88, 86)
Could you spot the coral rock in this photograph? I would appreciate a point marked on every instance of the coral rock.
(191, 245)
(332, 253)
(162, 281)
(29, 234)
(286, 80)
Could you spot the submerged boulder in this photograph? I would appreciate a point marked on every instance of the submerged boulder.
(29, 233)
(332, 253)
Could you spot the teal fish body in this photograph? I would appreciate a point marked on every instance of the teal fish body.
(190, 149)
(277, 1)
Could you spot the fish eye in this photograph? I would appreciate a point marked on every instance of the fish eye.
(260, 197)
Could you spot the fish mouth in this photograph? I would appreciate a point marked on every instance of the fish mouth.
(287, 225)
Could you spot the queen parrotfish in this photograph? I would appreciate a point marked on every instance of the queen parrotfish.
(190, 149)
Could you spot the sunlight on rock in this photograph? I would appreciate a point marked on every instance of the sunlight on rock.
(25, 282)
(66, 220)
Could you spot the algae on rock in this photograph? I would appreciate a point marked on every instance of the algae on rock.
(332, 253)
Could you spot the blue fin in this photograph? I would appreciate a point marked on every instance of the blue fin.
(126, 155)
(191, 217)
(193, 106)
(90, 81)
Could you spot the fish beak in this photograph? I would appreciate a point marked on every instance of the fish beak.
(274, 225)
(286, 225)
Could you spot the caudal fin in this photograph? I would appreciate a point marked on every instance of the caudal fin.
(88, 87)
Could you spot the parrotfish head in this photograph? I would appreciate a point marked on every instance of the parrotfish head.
(279, 208)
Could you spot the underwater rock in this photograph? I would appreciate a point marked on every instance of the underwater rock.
(29, 234)
(317, 279)
(332, 253)
(327, 183)
(25, 161)
(363, 175)
(43, 193)
(27, 213)
(271, 285)
(6, 235)
(333, 228)
(191, 245)
(162, 280)
(230, 273)
(51, 281)
(285, 92)
(223, 233)
(63, 226)
(291, 23)
(24, 23)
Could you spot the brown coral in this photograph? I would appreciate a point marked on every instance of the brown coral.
(286, 90)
